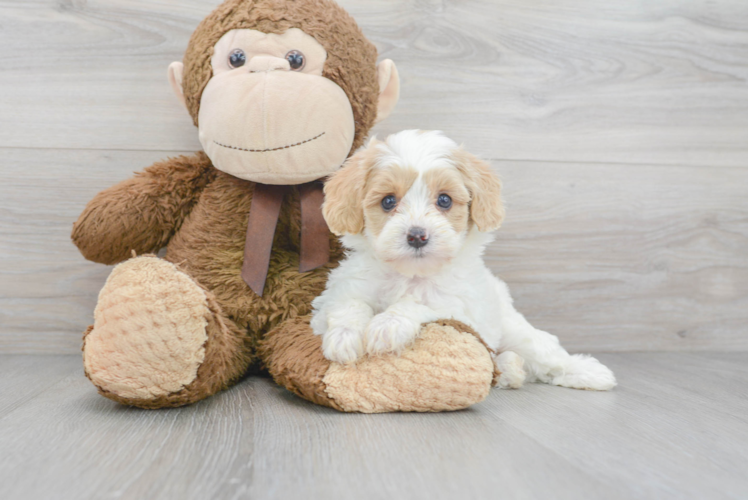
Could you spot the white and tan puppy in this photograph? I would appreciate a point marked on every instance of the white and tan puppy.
(417, 212)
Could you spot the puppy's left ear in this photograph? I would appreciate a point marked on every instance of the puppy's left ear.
(486, 204)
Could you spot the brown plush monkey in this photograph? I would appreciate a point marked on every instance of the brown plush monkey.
(282, 91)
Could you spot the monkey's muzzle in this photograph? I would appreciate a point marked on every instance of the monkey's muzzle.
(275, 126)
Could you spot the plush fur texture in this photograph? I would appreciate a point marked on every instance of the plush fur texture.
(208, 246)
(145, 303)
(443, 370)
(141, 214)
(378, 298)
(125, 314)
(351, 58)
(449, 368)
(294, 356)
(200, 215)
(250, 124)
(207, 249)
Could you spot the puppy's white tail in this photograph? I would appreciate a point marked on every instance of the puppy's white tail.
(545, 359)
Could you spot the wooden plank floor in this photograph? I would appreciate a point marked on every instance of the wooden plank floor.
(676, 427)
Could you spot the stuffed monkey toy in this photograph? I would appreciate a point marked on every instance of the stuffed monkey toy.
(282, 92)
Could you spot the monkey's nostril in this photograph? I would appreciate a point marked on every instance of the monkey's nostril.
(417, 237)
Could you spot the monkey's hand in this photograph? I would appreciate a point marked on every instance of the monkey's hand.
(143, 212)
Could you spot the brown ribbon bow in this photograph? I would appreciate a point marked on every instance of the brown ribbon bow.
(263, 219)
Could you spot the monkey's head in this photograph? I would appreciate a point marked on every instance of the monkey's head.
(282, 91)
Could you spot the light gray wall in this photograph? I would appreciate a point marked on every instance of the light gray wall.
(620, 130)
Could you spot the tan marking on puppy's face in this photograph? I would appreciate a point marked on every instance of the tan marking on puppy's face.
(393, 180)
(415, 168)
(449, 181)
(486, 204)
(416, 192)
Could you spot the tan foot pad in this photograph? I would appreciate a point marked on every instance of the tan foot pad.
(149, 332)
(443, 370)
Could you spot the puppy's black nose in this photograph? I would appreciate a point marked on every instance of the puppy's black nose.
(417, 237)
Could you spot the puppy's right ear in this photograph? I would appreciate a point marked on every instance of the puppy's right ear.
(343, 208)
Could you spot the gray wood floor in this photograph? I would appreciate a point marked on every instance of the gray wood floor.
(676, 427)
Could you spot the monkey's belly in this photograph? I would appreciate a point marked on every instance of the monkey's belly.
(209, 246)
(288, 293)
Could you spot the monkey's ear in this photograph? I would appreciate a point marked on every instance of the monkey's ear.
(175, 78)
(343, 208)
(389, 89)
(486, 204)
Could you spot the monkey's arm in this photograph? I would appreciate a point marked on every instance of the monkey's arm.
(143, 212)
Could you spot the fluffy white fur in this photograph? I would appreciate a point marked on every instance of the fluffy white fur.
(378, 298)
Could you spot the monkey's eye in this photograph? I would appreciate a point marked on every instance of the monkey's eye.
(296, 59)
(444, 201)
(389, 202)
(237, 58)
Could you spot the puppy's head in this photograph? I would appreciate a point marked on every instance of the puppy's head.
(414, 197)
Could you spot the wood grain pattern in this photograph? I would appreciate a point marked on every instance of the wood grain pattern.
(608, 257)
(47, 290)
(619, 129)
(665, 432)
(624, 257)
(655, 403)
(25, 377)
(575, 80)
(572, 80)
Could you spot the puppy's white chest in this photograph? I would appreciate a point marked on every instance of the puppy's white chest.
(428, 293)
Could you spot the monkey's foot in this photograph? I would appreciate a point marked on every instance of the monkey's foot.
(446, 368)
(159, 339)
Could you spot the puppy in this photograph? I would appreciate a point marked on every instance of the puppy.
(416, 213)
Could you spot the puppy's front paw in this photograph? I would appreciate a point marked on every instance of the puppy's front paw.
(343, 344)
(585, 372)
(511, 366)
(389, 333)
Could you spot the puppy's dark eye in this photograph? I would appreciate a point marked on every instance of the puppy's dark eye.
(444, 201)
(237, 58)
(389, 202)
(296, 59)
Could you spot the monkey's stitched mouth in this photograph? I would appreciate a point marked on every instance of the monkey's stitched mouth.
(269, 149)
